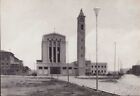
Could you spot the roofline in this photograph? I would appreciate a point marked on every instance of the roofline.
(54, 34)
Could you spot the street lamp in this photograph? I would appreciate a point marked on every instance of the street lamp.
(96, 10)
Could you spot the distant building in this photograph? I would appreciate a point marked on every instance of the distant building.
(10, 65)
(102, 68)
(90, 68)
(136, 69)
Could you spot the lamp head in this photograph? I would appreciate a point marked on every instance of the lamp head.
(96, 10)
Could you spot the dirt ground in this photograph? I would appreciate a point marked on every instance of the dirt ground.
(33, 86)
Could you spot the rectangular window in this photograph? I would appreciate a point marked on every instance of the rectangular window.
(58, 54)
(70, 67)
(39, 67)
(82, 27)
(54, 54)
(50, 54)
(64, 68)
(45, 67)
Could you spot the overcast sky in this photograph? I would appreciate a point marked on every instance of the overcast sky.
(24, 22)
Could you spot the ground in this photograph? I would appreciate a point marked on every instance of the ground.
(44, 86)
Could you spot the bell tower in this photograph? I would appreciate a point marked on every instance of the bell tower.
(81, 43)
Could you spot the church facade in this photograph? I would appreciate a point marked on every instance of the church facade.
(53, 55)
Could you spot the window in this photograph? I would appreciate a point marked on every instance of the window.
(64, 68)
(45, 67)
(82, 27)
(54, 54)
(40, 67)
(50, 54)
(58, 54)
(70, 67)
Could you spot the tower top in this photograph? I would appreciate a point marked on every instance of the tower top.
(81, 13)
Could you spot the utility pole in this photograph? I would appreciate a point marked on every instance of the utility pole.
(114, 58)
(67, 61)
(96, 10)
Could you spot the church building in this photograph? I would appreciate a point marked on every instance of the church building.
(53, 54)
(53, 59)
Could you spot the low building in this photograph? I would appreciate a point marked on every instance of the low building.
(10, 65)
(90, 68)
(136, 69)
(102, 68)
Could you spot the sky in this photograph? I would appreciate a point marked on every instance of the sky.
(24, 22)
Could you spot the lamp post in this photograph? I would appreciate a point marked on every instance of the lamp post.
(96, 10)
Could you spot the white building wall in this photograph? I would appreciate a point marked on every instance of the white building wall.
(44, 51)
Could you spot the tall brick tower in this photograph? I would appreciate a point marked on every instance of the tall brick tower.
(81, 43)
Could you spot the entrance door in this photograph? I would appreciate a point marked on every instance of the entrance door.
(54, 70)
